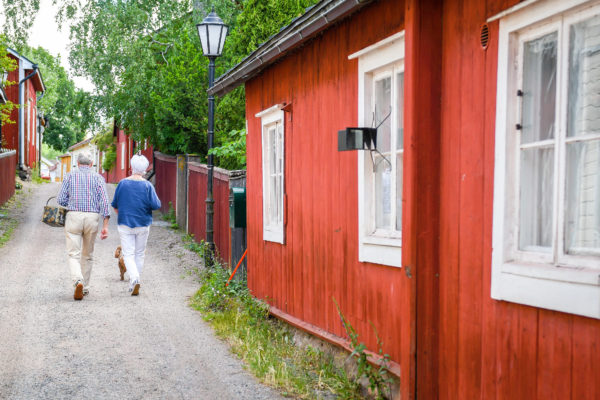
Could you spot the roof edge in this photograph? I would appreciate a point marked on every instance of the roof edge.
(300, 30)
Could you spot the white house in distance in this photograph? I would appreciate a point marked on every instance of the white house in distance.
(88, 147)
(68, 161)
(48, 169)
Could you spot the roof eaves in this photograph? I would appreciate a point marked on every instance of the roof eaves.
(300, 30)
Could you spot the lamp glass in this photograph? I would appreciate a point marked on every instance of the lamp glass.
(203, 33)
(212, 32)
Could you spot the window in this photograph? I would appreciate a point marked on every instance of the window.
(381, 104)
(546, 236)
(272, 121)
(122, 155)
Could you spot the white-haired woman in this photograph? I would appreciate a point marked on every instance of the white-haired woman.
(134, 200)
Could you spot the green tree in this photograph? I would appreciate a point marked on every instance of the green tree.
(145, 60)
(71, 112)
(7, 64)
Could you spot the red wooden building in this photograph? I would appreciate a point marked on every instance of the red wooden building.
(125, 148)
(24, 135)
(471, 238)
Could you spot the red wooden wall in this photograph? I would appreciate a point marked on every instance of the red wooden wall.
(319, 261)
(10, 132)
(489, 348)
(31, 135)
(166, 180)
(8, 164)
(451, 338)
(198, 174)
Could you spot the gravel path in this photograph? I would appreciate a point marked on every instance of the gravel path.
(109, 345)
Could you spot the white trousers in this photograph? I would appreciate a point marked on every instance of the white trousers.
(133, 248)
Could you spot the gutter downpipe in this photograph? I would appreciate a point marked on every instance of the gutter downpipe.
(39, 131)
(21, 122)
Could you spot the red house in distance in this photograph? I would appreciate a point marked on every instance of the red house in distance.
(24, 136)
(471, 238)
(125, 148)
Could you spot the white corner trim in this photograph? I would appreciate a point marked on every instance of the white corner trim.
(541, 9)
(269, 110)
(376, 46)
(511, 10)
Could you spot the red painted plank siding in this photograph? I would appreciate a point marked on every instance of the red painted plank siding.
(419, 334)
(8, 164)
(490, 349)
(319, 260)
(197, 179)
(166, 182)
(451, 332)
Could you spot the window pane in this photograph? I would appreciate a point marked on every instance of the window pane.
(536, 200)
(399, 158)
(539, 88)
(272, 200)
(383, 188)
(272, 154)
(400, 111)
(584, 78)
(582, 218)
(277, 204)
(383, 102)
(279, 148)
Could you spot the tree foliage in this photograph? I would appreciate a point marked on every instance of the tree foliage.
(105, 142)
(145, 59)
(71, 112)
(7, 64)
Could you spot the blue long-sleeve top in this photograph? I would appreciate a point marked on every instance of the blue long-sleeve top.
(135, 199)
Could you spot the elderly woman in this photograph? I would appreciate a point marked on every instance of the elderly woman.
(134, 200)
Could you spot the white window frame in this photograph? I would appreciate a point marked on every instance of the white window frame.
(122, 155)
(554, 281)
(272, 232)
(378, 247)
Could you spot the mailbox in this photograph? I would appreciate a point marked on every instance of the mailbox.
(357, 139)
(237, 207)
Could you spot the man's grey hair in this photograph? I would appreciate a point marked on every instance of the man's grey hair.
(84, 159)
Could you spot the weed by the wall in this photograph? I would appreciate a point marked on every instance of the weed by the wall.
(266, 344)
(379, 380)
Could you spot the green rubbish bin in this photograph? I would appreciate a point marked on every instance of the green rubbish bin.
(237, 207)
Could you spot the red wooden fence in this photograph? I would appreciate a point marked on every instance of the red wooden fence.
(166, 180)
(8, 165)
(166, 189)
(198, 174)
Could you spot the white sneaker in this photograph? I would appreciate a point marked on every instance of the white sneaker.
(134, 288)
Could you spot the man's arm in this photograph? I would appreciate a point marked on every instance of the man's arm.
(104, 232)
(63, 195)
(104, 207)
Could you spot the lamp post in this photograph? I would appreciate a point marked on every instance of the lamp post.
(212, 32)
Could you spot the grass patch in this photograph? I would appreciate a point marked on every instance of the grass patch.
(170, 217)
(266, 344)
(8, 222)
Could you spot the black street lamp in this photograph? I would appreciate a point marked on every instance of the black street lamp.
(212, 32)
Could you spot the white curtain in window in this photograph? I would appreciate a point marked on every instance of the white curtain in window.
(537, 144)
(582, 212)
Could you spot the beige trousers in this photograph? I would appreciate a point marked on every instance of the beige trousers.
(81, 229)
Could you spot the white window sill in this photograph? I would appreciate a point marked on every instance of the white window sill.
(567, 289)
(384, 251)
(273, 235)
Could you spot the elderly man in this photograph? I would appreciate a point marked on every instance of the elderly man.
(83, 192)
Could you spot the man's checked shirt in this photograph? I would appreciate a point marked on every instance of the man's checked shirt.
(84, 190)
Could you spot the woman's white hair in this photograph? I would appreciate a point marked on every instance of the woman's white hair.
(139, 164)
